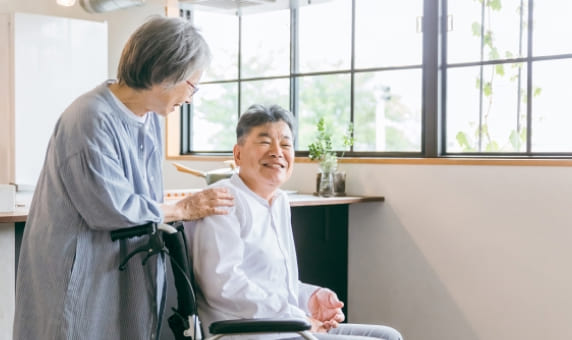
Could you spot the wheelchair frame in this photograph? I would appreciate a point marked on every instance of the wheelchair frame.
(170, 239)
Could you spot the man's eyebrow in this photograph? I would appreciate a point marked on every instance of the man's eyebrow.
(266, 134)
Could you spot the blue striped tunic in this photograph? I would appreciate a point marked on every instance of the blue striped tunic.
(102, 171)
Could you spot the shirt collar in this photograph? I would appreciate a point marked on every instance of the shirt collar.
(127, 114)
(236, 180)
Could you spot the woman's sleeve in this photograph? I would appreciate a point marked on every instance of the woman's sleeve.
(97, 187)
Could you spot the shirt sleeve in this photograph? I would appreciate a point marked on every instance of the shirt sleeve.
(217, 261)
(96, 184)
(305, 290)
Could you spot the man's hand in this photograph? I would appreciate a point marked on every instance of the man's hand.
(198, 205)
(325, 306)
(317, 326)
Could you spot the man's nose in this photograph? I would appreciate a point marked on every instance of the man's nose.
(276, 150)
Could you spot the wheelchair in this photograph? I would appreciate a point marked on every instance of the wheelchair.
(169, 239)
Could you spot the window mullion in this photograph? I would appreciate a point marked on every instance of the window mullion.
(239, 82)
(430, 87)
(352, 68)
(294, 60)
(529, 79)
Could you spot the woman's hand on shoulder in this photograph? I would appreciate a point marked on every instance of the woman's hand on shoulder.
(212, 201)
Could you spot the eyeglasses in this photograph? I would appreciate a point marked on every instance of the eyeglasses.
(194, 89)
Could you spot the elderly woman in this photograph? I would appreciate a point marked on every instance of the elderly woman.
(103, 172)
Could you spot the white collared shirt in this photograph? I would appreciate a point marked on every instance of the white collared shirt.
(245, 262)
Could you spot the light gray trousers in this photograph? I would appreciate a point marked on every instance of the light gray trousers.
(348, 331)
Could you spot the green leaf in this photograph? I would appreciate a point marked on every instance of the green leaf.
(476, 28)
(348, 137)
(494, 53)
(514, 140)
(537, 91)
(499, 69)
(463, 141)
(488, 89)
(492, 146)
(488, 39)
(494, 4)
(523, 135)
(484, 130)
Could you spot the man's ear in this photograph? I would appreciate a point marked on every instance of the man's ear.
(236, 154)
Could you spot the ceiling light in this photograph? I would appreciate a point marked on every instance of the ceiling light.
(66, 3)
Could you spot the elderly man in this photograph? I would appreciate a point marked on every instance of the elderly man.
(245, 261)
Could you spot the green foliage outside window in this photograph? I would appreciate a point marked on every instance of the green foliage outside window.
(480, 140)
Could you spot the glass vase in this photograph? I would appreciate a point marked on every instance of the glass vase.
(326, 187)
(339, 183)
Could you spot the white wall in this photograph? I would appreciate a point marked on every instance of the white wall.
(455, 252)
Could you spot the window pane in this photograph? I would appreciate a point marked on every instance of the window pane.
(387, 115)
(221, 33)
(266, 92)
(323, 96)
(551, 30)
(325, 36)
(488, 114)
(551, 117)
(214, 117)
(504, 30)
(383, 25)
(266, 44)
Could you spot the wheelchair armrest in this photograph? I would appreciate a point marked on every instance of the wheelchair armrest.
(259, 326)
(144, 229)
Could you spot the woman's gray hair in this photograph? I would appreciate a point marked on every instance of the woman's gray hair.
(257, 115)
(162, 50)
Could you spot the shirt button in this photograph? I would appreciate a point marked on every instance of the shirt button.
(141, 146)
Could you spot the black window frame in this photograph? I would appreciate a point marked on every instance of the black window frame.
(434, 89)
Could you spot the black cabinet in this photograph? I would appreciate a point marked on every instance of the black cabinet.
(321, 237)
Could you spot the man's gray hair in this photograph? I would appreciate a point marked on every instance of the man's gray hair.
(257, 115)
(162, 50)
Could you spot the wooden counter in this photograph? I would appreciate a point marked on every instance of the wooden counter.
(305, 200)
(296, 200)
(16, 216)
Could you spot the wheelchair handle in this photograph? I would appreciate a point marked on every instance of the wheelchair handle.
(144, 229)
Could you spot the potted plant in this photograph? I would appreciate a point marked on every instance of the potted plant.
(329, 181)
